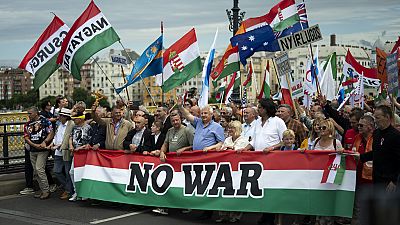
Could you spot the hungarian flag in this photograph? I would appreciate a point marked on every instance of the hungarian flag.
(247, 82)
(219, 93)
(286, 94)
(334, 170)
(90, 33)
(181, 61)
(228, 64)
(234, 83)
(265, 88)
(41, 58)
(281, 16)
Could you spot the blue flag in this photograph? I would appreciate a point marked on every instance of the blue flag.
(254, 41)
(148, 64)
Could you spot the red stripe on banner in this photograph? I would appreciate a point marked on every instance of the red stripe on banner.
(55, 24)
(179, 46)
(276, 160)
(91, 11)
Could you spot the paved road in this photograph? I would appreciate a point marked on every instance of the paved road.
(23, 210)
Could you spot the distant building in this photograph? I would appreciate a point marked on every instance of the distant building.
(14, 81)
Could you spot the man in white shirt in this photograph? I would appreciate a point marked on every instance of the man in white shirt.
(268, 133)
(248, 126)
(60, 142)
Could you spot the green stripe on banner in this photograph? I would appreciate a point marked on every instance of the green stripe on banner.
(289, 201)
(340, 172)
(99, 42)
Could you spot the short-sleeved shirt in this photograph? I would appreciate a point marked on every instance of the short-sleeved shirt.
(207, 136)
(268, 135)
(81, 135)
(240, 143)
(177, 139)
(37, 132)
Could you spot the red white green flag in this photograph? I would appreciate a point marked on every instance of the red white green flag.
(334, 170)
(265, 88)
(181, 61)
(228, 64)
(248, 81)
(281, 182)
(90, 33)
(234, 83)
(40, 60)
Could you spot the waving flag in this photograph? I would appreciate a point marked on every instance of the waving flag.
(90, 33)
(148, 64)
(353, 69)
(228, 64)
(327, 83)
(234, 83)
(253, 41)
(40, 60)
(203, 101)
(247, 82)
(181, 61)
(265, 88)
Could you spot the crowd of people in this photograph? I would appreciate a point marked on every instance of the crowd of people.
(371, 134)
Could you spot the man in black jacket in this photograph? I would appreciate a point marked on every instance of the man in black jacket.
(385, 152)
(138, 139)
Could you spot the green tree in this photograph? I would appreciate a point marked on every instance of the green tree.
(80, 94)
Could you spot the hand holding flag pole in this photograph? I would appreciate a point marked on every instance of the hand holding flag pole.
(147, 88)
(112, 84)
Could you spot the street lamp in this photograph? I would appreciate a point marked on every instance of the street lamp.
(235, 19)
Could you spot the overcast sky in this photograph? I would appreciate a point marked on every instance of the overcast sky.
(138, 22)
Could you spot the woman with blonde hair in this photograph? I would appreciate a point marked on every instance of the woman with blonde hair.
(308, 143)
(234, 141)
(327, 140)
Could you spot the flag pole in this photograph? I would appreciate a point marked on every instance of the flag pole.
(276, 73)
(147, 88)
(316, 77)
(162, 51)
(126, 88)
(112, 84)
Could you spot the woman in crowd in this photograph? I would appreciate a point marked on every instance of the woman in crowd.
(233, 142)
(157, 138)
(308, 143)
(327, 140)
(225, 120)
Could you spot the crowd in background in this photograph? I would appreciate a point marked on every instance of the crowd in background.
(371, 134)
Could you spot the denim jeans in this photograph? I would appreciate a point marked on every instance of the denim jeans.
(61, 170)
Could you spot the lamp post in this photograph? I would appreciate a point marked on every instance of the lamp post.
(235, 19)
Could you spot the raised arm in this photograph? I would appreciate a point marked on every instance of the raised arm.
(186, 114)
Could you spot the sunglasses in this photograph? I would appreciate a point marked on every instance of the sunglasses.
(324, 127)
(360, 125)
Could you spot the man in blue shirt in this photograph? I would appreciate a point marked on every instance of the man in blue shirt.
(208, 134)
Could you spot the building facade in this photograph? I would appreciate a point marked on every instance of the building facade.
(14, 81)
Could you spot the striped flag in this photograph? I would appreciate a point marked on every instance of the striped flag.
(228, 64)
(90, 33)
(248, 81)
(334, 170)
(203, 101)
(181, 61)
(265, 88)
(40, 61)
